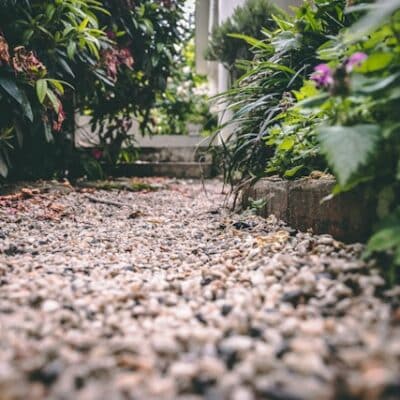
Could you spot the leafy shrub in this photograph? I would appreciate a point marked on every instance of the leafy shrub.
(247, 20)
(342, 117)
(360, 98)
(152, 32)
(295, 140)
(185, 100)
(283, 60)
(116, 55)
(47, 41)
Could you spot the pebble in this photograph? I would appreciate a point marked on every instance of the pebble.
(50, 306)
(185, 303)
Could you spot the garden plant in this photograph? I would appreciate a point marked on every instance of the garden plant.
(105, 59)
(321, 94)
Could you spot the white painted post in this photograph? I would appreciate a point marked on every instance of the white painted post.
(202, 18)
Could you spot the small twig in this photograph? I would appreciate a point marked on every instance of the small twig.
(107, 202)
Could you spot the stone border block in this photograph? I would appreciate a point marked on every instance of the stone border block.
(348, 216)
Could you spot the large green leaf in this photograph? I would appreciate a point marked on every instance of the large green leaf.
(18, 95)
(26, 107)
(348, 148)
(41, 89)
(376, 62)
(12, 89)
(385, 239)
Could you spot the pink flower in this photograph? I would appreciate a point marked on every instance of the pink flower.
(323, 75)
(97, 154)
(355, 60)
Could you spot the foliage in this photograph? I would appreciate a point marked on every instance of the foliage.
(151, 32)
(247, 20)
(35, 64)
(343, 117)
(117, 56)
(185, 100)
(361, 133)
(283, 60)
(294, 140)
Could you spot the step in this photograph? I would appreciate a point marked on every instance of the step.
(180, 170)
(162, 141)
(174, 154)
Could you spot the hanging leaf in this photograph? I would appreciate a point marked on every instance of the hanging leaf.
(41, 90)
(12, 89)
(348, 148)
(54, 100)
(26, 107)
(385, 239)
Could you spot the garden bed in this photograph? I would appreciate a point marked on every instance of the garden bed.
(300, 203)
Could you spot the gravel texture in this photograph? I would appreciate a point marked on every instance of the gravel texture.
(108, 295)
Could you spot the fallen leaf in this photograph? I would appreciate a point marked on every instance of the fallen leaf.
(279, 237)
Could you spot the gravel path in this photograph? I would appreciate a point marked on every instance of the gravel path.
(166, 295)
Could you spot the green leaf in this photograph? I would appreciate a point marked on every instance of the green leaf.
(385, 239)
(287, 144)
(348, 148)
(57, 85)
(83, 24)
(376, 62)
(65, 66)
(41, 90)
(12, 89)
(71, 49)
(290, 173)
(390, 129)
(26, 107)
(259, 44)
(313, 102)
(54, 100)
